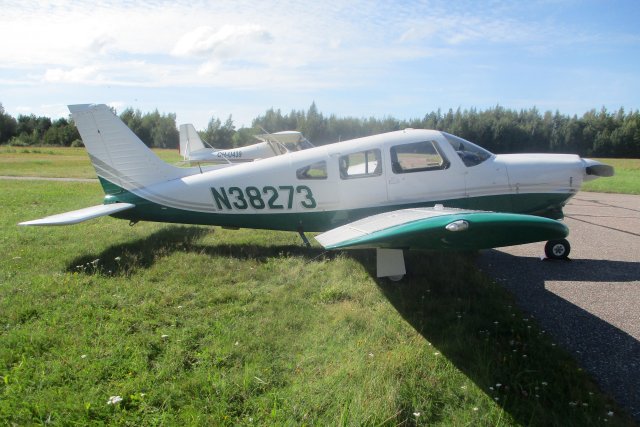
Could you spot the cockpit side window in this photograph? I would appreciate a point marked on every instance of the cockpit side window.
(471, 154)
(361, 164)
(417, 157)
(317, 170)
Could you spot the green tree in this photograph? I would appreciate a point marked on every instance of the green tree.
(8, 126)
(219, 135)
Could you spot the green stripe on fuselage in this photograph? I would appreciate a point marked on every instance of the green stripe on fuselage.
(545, 204)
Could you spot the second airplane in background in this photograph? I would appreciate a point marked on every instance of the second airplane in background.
(193, 150)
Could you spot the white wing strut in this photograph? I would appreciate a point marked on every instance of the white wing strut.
(80, 215)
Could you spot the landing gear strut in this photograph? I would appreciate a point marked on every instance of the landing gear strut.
(557, 249)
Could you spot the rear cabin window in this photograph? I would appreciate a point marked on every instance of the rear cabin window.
(317, 170)
(417, 157)
(361, 164)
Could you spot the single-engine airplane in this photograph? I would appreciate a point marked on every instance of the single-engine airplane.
(193, 149)
(409, 189)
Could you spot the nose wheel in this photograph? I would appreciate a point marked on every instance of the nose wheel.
(557, 249)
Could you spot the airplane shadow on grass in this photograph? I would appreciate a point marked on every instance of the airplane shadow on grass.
(609, 354)
(126, 258)
(455, 307)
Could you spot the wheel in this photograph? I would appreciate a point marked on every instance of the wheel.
(396, 278)
(557, 249)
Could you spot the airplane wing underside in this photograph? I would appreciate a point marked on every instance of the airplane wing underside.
(74, 217)
(442, 228)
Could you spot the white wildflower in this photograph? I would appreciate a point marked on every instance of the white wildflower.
(114, 400)
(610, 414)
(416, 414)
(164, 337)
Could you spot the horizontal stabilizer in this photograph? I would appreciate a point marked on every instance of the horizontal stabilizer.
(80, 215)
(440, 228)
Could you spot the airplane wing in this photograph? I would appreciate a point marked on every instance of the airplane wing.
(80, 215)
(442, 228)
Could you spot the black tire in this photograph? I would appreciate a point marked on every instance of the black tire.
(557, 249)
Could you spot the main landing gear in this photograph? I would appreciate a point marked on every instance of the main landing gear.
(557, 249)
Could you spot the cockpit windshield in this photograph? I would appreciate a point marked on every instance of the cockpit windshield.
(470, 153)
(301, 144)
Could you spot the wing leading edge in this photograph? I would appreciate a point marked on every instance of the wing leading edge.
(439, 228)
(74, 217)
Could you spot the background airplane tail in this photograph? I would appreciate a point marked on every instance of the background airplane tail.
(119, 157)
(189, 141)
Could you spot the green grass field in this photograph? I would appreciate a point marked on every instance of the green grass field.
(191, 325)
(53, 162)
(625, 181)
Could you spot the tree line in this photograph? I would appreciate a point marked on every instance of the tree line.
(498, 129)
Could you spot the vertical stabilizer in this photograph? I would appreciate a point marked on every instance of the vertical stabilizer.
(117, 154)
(189, 141)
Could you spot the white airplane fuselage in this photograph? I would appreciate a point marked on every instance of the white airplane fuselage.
(274, 194)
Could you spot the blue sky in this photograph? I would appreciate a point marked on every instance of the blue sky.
(200, 59)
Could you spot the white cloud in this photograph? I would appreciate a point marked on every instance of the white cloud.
(206, 41)
(119, 106)
(293, 50)
(74, 75)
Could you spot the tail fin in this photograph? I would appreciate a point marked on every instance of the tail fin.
(189, 141)
(117, 154)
